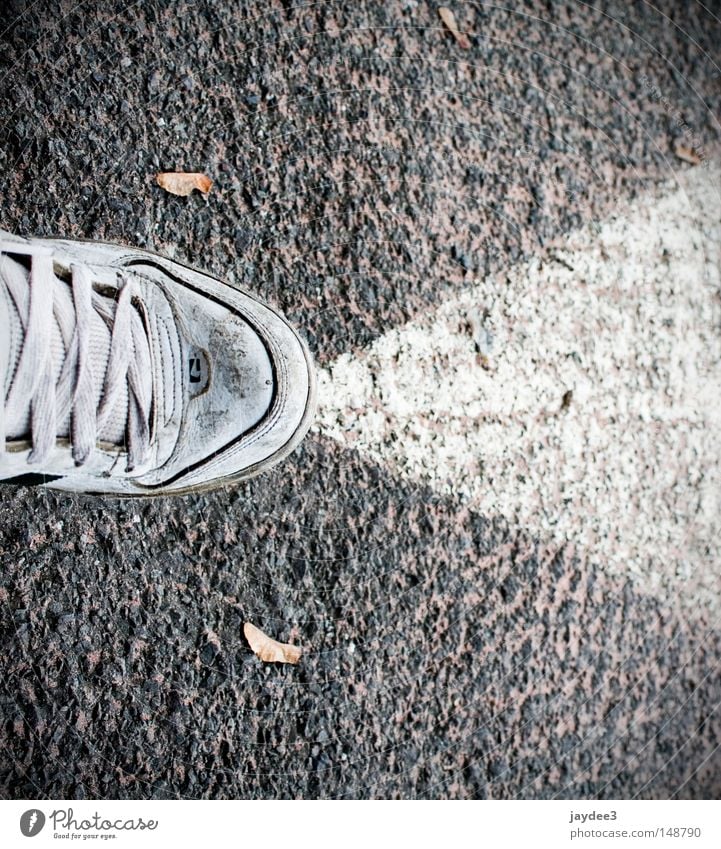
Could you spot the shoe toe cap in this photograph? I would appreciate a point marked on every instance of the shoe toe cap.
(259, 399)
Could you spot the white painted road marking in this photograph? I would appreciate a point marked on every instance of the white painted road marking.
(578, 397)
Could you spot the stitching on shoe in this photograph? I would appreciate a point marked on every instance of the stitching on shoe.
(161, 323)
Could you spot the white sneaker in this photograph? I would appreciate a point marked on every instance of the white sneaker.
(129, 374)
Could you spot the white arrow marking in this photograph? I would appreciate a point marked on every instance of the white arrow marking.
(578, 397)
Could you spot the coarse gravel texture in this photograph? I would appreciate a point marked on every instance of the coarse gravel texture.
(367, 169)
(550, 411)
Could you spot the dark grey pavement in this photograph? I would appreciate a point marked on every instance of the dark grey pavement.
(365, 168)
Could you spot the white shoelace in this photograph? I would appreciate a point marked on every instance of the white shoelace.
(50, 401)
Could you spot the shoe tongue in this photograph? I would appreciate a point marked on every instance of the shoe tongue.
(172, 358)
(18, 421)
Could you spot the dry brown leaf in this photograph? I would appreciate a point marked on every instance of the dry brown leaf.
(688, 154)
(182, 183)
(449, 19)
(268, 649)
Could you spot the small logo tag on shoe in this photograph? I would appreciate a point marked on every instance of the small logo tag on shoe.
(198, 371)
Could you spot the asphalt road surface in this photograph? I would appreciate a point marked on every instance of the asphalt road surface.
(499, 545)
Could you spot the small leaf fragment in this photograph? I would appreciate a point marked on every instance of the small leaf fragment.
(688, 154)
(449, 19)
(268, 649)
(182, 183)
